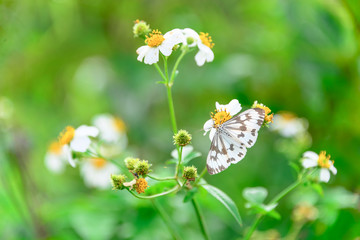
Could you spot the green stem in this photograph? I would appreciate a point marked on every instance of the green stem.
(171, 108)
(174, 189)
(161, 179)
(200, 219)
(160, 72)
(172, 78)
(177, 170)
(203, 172)
(254, 226)
(167, 220)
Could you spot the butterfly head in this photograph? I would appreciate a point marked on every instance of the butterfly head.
(220, 116)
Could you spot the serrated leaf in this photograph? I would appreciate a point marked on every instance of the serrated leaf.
(225, 200)
(255, 194)
(190, 157)
(190, 194)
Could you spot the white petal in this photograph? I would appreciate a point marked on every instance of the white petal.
(187, 150)
(212, 133)
(309, 163)
(152, 56)
(333, 169)
(141, 51)
(166, 48)
(190, 33)
(68, 153)
(324, 175)
(208, 53)
(208, 125)
(174, 36)
(233, 107)
(200, 58)
(80, 144)
(311, 155)
(86, 131)
(54, 162)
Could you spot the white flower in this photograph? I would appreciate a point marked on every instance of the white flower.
(222, 114)
(311, 159)
(112, 129)
(97, 171)
(288, 125)
(203, 42)
(56, 158)
(158, 42)
(77, 140)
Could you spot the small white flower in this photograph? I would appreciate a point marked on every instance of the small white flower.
(288, 125)
(56, 158)
(203, 42)
(77, 140)
(158, 42)
(311, 159)
(97, 171)
(222, 114)
(112, 129)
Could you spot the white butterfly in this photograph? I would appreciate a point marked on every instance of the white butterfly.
(231, 135)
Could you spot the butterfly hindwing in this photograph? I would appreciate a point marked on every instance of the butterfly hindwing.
(217, 159)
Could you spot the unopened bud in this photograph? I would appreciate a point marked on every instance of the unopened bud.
(182, 138)
(141, 29)
(142, 168)
(130, 162)
(118, 181)
(190, 173)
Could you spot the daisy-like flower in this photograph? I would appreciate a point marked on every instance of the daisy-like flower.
(203, 42)
(311, 159)
(156, 42)
(96, 172)
(77, 140)
(288, 125)
(268, 117)
(222, 114)
(56, 158)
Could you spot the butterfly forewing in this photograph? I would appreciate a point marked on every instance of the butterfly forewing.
(231, 139)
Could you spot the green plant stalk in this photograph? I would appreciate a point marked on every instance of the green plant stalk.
(174, 189)
(167, 220)
(177, 170)
(203, 172)
(172, 78)
(200, 218)
(161, 179)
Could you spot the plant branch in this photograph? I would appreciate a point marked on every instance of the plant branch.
(174, 189)
(200, 218)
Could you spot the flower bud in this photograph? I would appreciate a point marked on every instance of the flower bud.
(130, 162)
(141, 29)
(118, 181)
(141, 185)
(142, 168)
(182, 138)
(268, 117)
(190, 173)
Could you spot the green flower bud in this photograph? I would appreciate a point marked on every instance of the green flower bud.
(175, 47)
(190, 40)
(182, 138)
(130, 162)
(142, 168)
(141, 29)
(118, 181)
(190, 173)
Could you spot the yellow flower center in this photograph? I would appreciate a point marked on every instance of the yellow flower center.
(119, 124)
(268, 117)
(220, 117)
(206, 40)
(155, 39)
(141, 185)
(98, 162)
(324, 161)
(55, 148)
(287, 116)
(67, 135)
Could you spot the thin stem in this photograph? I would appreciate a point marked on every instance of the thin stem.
(177, 170)
(167, 220)
(171, 108)
(161, 179)
(160, 72)
(174, 189)
(200, 219)
(253, 226)
(172, 78)
(166, 69)
(203, 172)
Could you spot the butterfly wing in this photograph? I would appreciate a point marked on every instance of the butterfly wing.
(231, 140)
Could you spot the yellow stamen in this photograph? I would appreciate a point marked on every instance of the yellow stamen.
(55, 148)
(287, 116)
(119, 124)
(155, 39)
(268, 117)
(67, 135)
(220, 117)
(141, 185)
(98, 162)
(206, 40)
(324, 161)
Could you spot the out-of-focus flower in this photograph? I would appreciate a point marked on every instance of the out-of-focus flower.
(203, 42)
(311, 159)
(288, 125)
(112, 129)
(159, 43)
(118, 181)
(268, 117)
(141, 28)
(304, 212)
(96, 172)
(56, 158)
(77, 140)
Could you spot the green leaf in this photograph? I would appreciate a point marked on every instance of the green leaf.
(294, 166)
(264, 209)
(225, 200)
(255, 195)
(190, 157)
(318, 188)
(190, 194)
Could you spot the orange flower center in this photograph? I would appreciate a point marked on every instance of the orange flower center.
(141, 185)
(55, 148)
(119, 124)
(220, 117)
(324, 161)
(98, 162)
(155, 39)
(206, 40)
(67, 135)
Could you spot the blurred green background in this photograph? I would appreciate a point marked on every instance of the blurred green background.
(64, 61)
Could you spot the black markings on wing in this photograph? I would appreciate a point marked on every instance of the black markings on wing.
(217, 159)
